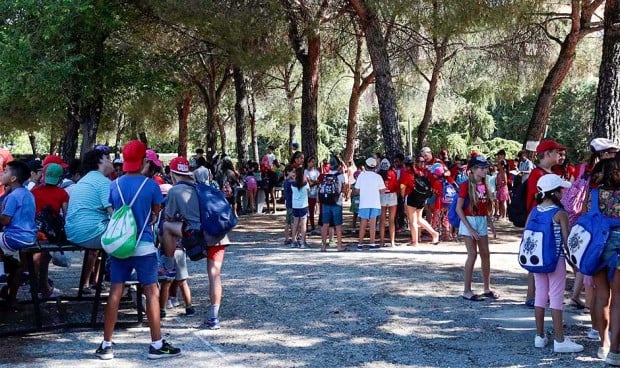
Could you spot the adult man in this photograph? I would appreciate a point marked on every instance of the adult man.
(524, 167)
(145, 208)
(429, 160)
(370, 186)
(331, 211)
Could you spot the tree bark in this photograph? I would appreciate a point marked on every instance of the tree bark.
(90, 116)
(33, 142)
(70, 138)
(433, 84)
(607, 113)
(183, 110)
(384, 87)
(253, 133)
(241, 105)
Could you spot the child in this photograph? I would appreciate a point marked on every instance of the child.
(355, 202)
(550, 286)
(300, 191)
(17, 217)
(446, 193)
(251, 187)
(288, 202)
(474, 223)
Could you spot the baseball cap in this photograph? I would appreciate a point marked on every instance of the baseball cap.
(53, 174)
(53, 159)
(437, 170)
(180, 165)
(548, 145)
(152, 156)
(385, 164)
(425, 150)
(550, 182)
(34, 165)
(134, 153)
(371, 162)
(118, 161)
(603, 144)
(295, 145)
(479, 161)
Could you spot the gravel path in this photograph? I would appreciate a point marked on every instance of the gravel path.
(283, 307)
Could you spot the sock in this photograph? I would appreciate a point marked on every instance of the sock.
(106, 344)
(214, 311)
(168, 262)
(157, 344)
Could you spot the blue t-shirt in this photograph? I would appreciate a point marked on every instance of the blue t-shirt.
(19, 205)
(288, 193)
(149, 195)
(87, 214)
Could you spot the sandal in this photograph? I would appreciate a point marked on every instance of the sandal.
(473, 298)
(577, 304)
(491, 294)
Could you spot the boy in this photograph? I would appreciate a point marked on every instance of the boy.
(144, 261)
(17, 217)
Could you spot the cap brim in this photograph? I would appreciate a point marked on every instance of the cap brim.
(181, 172)
(132, 166)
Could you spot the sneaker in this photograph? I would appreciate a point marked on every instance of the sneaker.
(530, 303)
(169, 304)
(540, 342)
(212, 323)
(566, 346)
(53, 294)
(359, 247)
(593, 335)
(303, 245)
(613, 359)
(373, 246)
(602, 352)
(293, 244)
(166, 351)
(190, 311)
(104, 353)
(287, 242)
(175, 302)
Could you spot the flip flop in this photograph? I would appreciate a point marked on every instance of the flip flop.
(491, 294)
(577, 304)
(473, 298)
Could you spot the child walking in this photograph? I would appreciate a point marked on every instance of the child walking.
(550, 286)
(300, 190)
(474, 226)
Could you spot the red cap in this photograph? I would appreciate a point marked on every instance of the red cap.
(134, 153)
(548, 145)
(180, 165)
(152, 156)
(53, 159)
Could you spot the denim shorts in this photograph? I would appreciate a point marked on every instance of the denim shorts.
(332, 214)
(289, 216)
(145, 266)
(369, 213)
(479, 223)
(612, 246)
(389, 199)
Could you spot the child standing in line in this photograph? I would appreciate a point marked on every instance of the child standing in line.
(288, 202)
(355, 202)
(300, 191)
(550, 286)
(251, 186)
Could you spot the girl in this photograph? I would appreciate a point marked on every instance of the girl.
(414, 207)
(300, 190)
(445, 190)
(474, 226)
(550, 286)
(502, 195)
(389, 201)
(312, 176)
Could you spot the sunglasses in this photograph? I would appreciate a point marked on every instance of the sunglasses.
(102, 148)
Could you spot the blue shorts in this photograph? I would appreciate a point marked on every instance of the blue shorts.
(369, 213)
(145, 266)
(479, 223)
(332, 214)
(300, 212)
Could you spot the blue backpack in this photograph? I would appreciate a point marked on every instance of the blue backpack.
(587, 239)
(538, 251)
(449, 194)
(216, 214)
(453, 217)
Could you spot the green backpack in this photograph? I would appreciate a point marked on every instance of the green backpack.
(121, 235)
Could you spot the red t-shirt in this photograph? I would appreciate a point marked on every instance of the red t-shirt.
(406, 179)
(481, 191)
(532, 180)
(391, 182)
(49, 195)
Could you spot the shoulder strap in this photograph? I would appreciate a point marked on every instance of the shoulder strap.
(120, 193)
(594, 201)
(582, 169)
(133, 200)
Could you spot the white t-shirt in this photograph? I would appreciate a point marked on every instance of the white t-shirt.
(369, 184)
(271, 157)
(313, 175)
(300, 196)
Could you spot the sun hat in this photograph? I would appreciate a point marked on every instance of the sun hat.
(385, 164)
(152, 156)
(134, 153)
(479, 161)
(53, 174)
(53, 159)
(550, 182)
(548, 145)
(371, 162)
(180, 165)
(603, 144)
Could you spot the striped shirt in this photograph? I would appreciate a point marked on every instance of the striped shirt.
(87, 216)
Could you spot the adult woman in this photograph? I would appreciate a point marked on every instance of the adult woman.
(414, 205)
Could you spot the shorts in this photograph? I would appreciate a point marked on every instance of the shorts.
(215, 253)
(414, 202)
(612, 246)
(10, 246)
(94, 243)
(389, 199)
(332, 214)
(289, 216)
(479, 223)
(300, 212)
(355, 204)
(180, 263)
(369, 213)
(145, 266)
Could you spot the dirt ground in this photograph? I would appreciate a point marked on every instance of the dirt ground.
(283, 307)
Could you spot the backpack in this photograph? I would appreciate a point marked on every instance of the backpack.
(453, 217)
(461, 177)
(217, 217)
(573, 197)
(587, 239)
(422, 189)
(51, 224)
(448, 193)
(329, 190)
(120, 237)
(517, 208)
(226, 188)
(538, 251)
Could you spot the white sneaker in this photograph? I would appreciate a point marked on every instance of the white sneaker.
(175, 302)
(169, 304)
(602, 352)
(540, 342)
(593, 335)
(567, 346)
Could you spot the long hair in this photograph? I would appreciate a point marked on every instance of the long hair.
(300, 178)
(472, 191)
(606, 173)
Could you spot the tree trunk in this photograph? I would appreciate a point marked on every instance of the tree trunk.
(241, 104)
(33, 142)
(607, 113)
(253, 134)
(90, 116)
(221, 127)
(183, 109)
(70, 139)
(310, 95)
(384, 87)
(143, 138)
(433, 84)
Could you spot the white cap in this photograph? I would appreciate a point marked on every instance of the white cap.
(603, 144)
(425, 150)
(549, 182)
(371, 162)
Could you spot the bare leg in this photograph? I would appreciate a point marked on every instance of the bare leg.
(413, 224)
(372, 229)
(111, 310)
(186, 292)
(362, 232)
(600, 307)
(485, 262)
(151, 292)
(539, 315)
(382, 226)
(472, 254)
(614, 316)
(164, 293)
